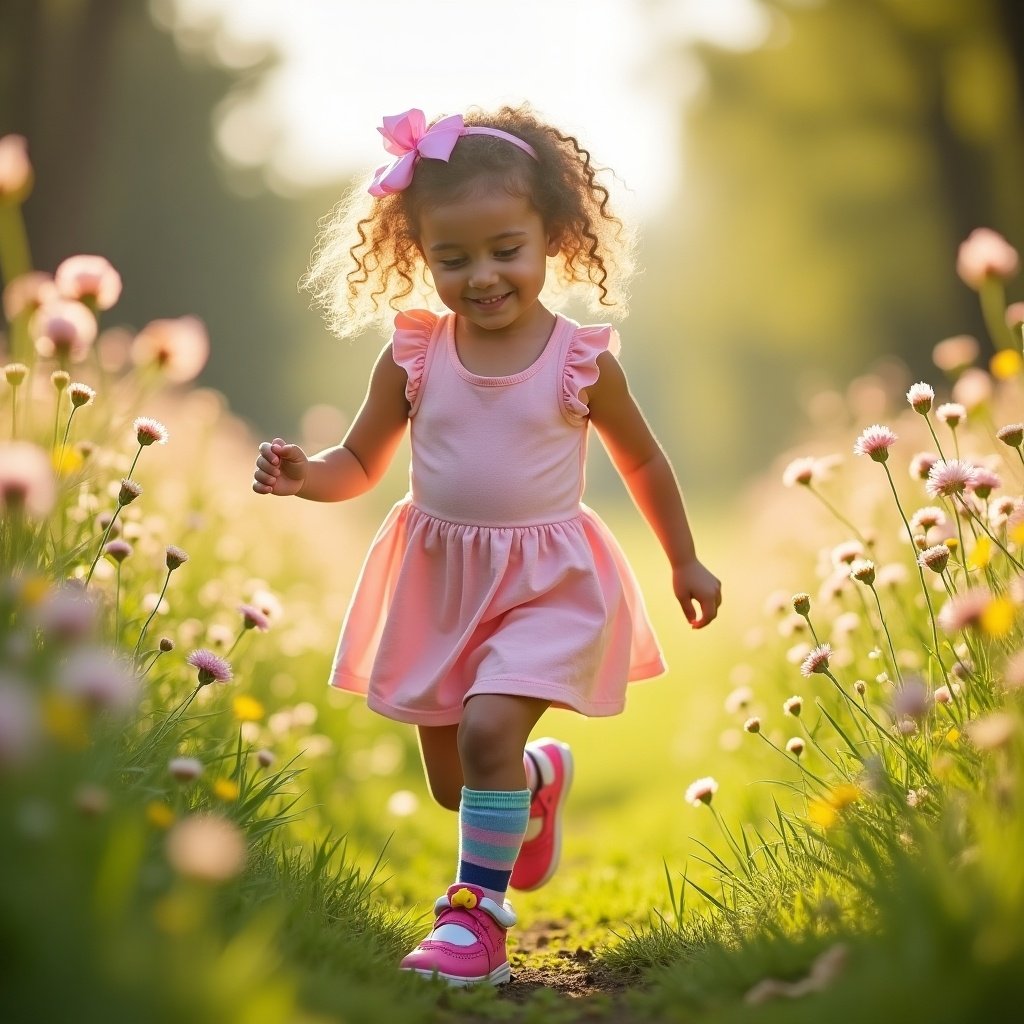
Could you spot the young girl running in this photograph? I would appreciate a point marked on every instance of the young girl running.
(490, 592)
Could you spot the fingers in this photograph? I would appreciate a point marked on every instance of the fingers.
(268, 466)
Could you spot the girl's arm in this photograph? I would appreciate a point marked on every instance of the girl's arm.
(648, 476)
(357, 464)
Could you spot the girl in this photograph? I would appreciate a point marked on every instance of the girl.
(490, 592)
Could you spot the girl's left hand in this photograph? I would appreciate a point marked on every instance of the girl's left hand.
(695, 585)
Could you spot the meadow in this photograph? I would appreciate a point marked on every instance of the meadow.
(816, 812)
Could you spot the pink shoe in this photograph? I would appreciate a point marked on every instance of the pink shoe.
(449, 953)
(542, 847)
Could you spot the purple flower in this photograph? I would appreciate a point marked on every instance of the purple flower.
(211, 667)
(253, 617)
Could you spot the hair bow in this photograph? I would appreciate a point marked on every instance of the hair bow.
(408, 139)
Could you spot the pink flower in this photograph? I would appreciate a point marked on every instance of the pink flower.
(985, 481)
(128, 492)
(27, 481)
(953, 354)
(964, 610)
(63, 330)
(799, 471)
(972, 388)
(949, 477)
(207, 848)
(875, 441)
(892, 575)
(1002, 508)
(951, 413)
(19, 722)
(265, 757)
(211, 667)
(752, 725)
(926, 518)
(27, 292)
(80, 394)
(817, 660)
(1012, 434)
(175, 557)
(701, 791)
(795, 746)
(15, 169)
(149, 431)
(66, 615)
(863, 571)
(920, 396)
(185, 769)
(1015, 315)
(985, 253)
(179, 348)
(943, 695)
(793, 706)
(89, 279)
(118, 550)
(912, 700)
(934, 558)
(846, 553)
(253, 617)
(100, 679)
(921, 464)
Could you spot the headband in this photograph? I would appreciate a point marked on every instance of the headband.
(408, 139)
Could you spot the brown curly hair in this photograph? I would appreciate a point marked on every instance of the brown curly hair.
(357, 283)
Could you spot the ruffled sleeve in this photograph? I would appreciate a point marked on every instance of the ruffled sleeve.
(409, 343)
(581, 370)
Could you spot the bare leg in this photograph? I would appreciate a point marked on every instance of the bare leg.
(439, 748)
(491, 736)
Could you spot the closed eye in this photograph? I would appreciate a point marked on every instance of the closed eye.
(507, 254)
(451, 264)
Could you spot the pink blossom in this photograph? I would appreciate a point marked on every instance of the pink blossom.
(972, 388)
(985, 481)
(175, 557)
(211, 667)
(912, 700)
(100, 679)
(927, 517)
(118, 550)
(943, 695)
(875, 441)
(949, 477)
(128, 492)
(27, 292)
(1012, 434)
(752, 725)
(27, 480)
(701, 791)
(920, 396)
(265, 757)
(921, 464)
(799, 471)
(63, 329)
(1002, 508)
(1015, 315)
(863, 571)
(80, 394)
(951, 413)
(793, 706)
(953, 354)
(934, 558)
(253, 617)
(149, 431)
(817, 660)
(185, 769)
(983, 253)
(892, 575)
(89, 279)
(15, 169)
(19, 722)
(179, 348)
(846, 553)
(795, 746)
(206, 848)
(66, 615)
(964, 610)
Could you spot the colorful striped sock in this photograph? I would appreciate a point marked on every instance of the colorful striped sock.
(492, 824)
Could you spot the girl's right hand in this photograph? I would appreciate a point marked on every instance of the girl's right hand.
(280, 468)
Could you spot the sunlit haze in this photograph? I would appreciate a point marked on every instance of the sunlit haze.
(591, 66)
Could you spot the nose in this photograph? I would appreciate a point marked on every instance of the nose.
(483, 274)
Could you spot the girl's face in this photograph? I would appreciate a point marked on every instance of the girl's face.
(488, 258)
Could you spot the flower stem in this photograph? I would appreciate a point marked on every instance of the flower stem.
(145, 625)
(103, 541)
(846, 522)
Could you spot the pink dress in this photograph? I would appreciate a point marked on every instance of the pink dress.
(490, 576)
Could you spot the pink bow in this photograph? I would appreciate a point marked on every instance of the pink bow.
(407, 137)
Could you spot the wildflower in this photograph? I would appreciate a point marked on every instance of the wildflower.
(907, 727)
(178, 348)
(66, 615)
(15, 169)
(15, 373)
(226, 789)
(861, 687)
(128, 492)
(19, 722)
(80, 394)
(952, 355)
(845, 624)
(247, 709)
(1012, 434)
(207, 848)
(701, 791)
(951, 413)
(934, 558)
(27, 481)
(795, 746)
(211, 667)
(943, 694)
(892, 575)
(265, 757)
(985, 253)
(149, 431)
(99, 679)
(1013, 673)
(799, 471)
(921, 464)
(752, 725)
(185, 769)
(920, 397)
(802, 603)
(166, 644)
(847, 553)
(993, 731)
(159, 814)
(817, 660)
(63, 329)
(1015, 315)
(1006, 364)
(175, 557)
(1002, 508)
(964, 610)
(863, 571)
(118, 550)
(927, 518)
(875, 442)
(793, 706)
(997, 618)
(89, 279)
(253, 617)
(949, 477)
(912, 699)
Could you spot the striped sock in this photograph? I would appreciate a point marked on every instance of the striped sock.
(491, 828)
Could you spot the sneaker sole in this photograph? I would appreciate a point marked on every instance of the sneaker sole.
(567, 766)
(499, 976)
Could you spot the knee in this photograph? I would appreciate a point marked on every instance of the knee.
(445, 793)
(485, 745)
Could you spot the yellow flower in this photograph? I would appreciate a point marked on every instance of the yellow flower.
(1017, 534)
(981, 555)
(952, 543)
(822, 813)
(952, 737)
(1006, 363)
(464, 898)
(997, 618)
(844, 795)
(67, 462)
(66, 721)
(247, 709)
(226, 789)
(34, 589)
(825, 810)
(159, 814)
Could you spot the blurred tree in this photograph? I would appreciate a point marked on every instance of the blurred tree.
(830, 175)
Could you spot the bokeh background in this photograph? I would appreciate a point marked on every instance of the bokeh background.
(801, 172)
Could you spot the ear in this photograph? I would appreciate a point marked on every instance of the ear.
(554, 242)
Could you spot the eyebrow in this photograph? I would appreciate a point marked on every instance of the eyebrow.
(438, 246)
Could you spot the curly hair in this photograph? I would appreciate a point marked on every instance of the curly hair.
(367, 256)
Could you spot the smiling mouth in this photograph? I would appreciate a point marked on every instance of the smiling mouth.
(493, 300)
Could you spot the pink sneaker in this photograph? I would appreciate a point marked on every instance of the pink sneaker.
(467, 944)
(542, 846)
